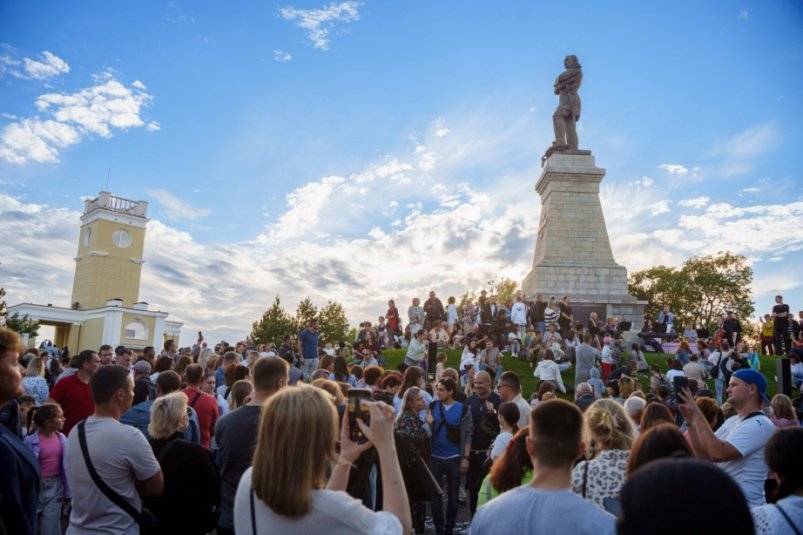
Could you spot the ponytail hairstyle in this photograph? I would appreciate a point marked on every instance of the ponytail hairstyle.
(509, 412)
(40, 415)
(607, 427)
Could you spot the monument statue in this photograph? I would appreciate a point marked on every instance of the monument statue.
(573, 255)
(568, 111)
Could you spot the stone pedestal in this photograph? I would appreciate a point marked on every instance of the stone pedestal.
(572, 251)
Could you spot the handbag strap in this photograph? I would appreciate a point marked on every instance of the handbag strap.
(110, 493)
(788, 520)
(585, 478)
(253, 514)
(195, 399)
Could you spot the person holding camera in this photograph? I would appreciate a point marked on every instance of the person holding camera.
(452, 427)
(286, 489)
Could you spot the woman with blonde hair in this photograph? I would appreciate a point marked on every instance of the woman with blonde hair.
(626, 386)
(34, 383)
(330, 387)
(783, 412)
(608, 436)
(240, 392)
(204, 356)
(191, 484)
(285, 491)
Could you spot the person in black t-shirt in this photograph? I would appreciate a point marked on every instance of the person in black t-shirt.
(536, 313)
(780, 313)
(236, 434)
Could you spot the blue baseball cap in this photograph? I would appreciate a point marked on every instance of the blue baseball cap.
(752, 377)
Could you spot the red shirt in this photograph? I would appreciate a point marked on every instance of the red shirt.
(206, 407)
(75, 399)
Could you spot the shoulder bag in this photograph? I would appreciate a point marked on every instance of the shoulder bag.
(148, 524)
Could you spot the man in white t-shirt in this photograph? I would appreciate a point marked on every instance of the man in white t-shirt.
(510, 390)
(120, 455)
(738, 445)
(547, 504)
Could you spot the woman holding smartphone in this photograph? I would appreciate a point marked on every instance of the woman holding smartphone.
(286, 491)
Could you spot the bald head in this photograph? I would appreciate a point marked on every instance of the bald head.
(482, 384)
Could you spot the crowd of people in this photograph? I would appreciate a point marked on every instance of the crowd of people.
(306, 435)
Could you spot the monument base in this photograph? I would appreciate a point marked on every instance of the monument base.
(572, 252)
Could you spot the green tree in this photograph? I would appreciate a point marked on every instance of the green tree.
(505, 289)
(332, 323)
(700, 291)
(274, 325)
(305, 312)
(3, 310)
(23, 325)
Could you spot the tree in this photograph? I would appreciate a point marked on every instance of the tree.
(305, 312)
(505, 289)
(3, 310)
(332, 323)
(23, 325)
(274, 325)
(700, 291)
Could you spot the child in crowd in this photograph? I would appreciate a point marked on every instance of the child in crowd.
(48, 445)
(608, 359)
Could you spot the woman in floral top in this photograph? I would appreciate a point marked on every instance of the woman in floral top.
(415, 434)
(34, 383)
(609, 435)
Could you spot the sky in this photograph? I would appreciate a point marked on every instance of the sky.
(361, 151)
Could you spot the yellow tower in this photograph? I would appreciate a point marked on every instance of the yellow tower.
(110, 246)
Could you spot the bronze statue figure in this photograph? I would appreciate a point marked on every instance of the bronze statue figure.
(568, 111)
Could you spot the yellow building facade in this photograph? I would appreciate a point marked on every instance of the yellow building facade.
(105, 306)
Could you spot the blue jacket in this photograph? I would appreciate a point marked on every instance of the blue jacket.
(139, 416)
(19, 484)
(32, 441)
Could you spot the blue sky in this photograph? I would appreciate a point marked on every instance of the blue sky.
(360, 151)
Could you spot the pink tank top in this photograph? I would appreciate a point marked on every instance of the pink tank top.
(50, 453)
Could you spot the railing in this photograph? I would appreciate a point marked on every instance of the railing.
(117, 204)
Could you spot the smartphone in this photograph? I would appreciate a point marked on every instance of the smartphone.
(680, 382)
(357, 411)
(430, 377)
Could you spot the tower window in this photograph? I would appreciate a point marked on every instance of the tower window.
(121, 238)
(135, 331)
(87, 238)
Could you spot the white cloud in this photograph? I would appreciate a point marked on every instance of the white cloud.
(47, 66)
(695, 202)
(67, 118)
(153, 126)
(177, 208)
(741, 150)
(320, 22)
(752, 189)
(773, 284)
(661, 207)
(281, 56)
(674, 169)
(744, 14)
(440, 128)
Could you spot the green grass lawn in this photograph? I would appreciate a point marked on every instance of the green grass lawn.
(529, 383)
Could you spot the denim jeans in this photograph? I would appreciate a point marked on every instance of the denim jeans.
(48, 509)
(540, 326)
(309, 367)
(451, 469)
(719, 387)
